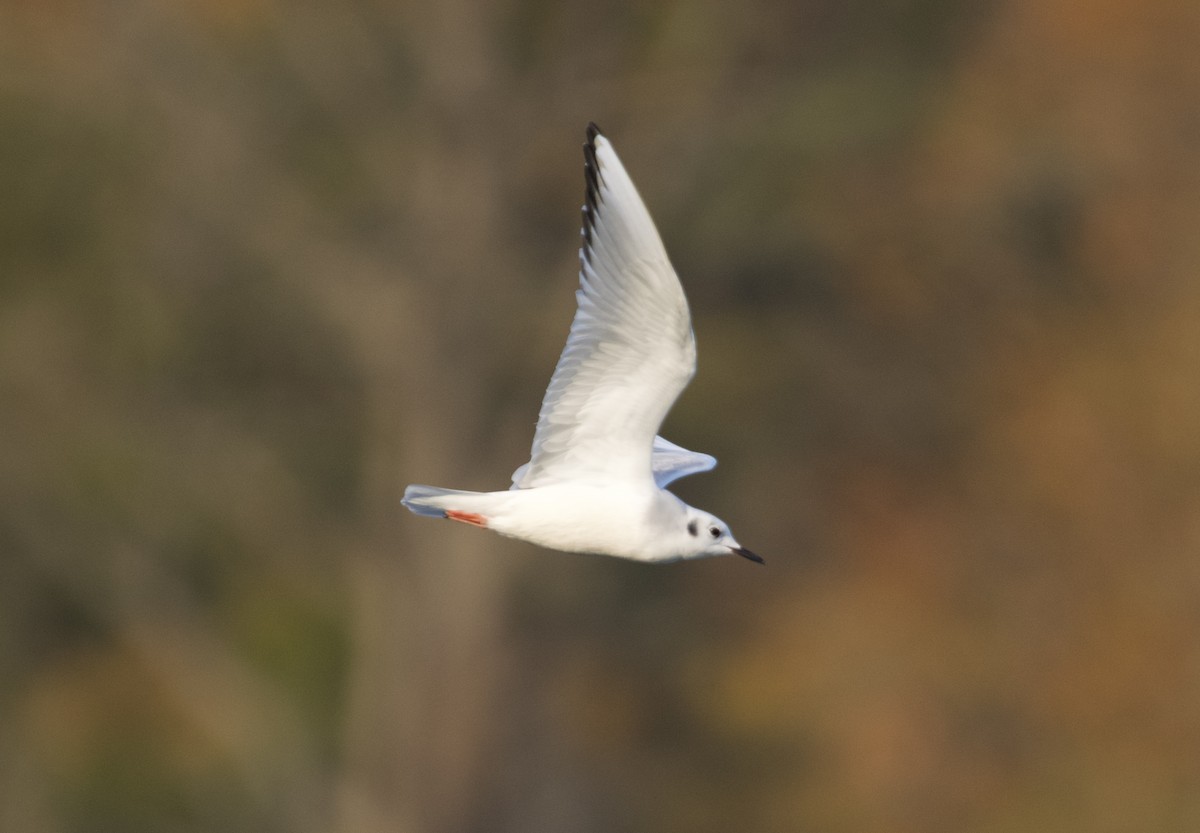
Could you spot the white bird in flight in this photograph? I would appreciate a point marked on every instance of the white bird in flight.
(597, 475)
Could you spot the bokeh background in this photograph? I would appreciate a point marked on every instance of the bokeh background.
(262, 264)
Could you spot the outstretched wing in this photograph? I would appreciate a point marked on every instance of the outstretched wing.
(668, 463)
(630, 351)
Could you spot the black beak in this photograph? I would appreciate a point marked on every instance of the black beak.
(745, 553)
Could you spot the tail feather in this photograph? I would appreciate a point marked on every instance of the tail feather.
(432, 501)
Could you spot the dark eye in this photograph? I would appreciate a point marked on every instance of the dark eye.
(692, 528)
(714, 532)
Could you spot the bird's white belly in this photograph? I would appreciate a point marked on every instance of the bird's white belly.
(583, 518)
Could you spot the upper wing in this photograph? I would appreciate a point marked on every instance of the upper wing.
(630, 351)
(669, 463)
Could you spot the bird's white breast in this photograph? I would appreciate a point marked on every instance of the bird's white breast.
(592, 517)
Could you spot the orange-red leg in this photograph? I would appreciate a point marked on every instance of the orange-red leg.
(467, 518)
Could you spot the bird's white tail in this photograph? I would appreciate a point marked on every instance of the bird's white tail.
(432, 501)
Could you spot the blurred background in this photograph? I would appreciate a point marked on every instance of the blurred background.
(263, 264)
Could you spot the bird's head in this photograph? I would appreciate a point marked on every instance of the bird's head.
(709, 536)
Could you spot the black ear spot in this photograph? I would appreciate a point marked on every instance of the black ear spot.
(693, 530)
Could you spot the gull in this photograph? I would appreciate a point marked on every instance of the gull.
(597, 474)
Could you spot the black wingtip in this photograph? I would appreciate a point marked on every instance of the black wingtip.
(591, 172)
